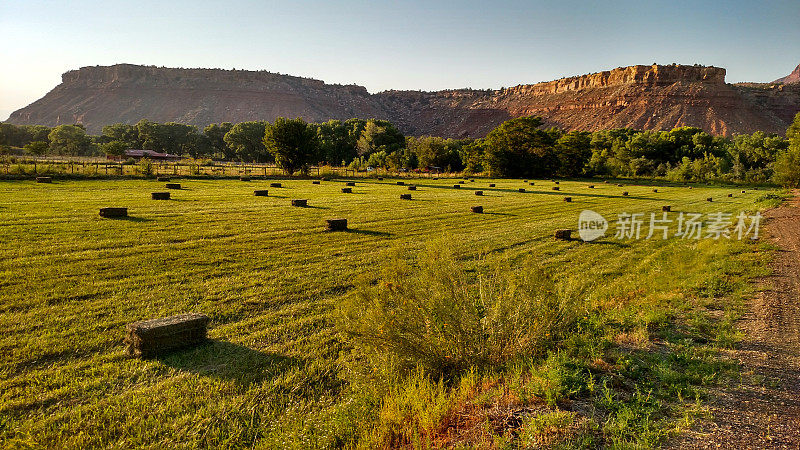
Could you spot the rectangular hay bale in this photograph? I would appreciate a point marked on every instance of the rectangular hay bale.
(261, 193)
(173, 186)
(151, 337)
(336, 224)
(113, 212)
(300, 202)
(476, 209)
(44, 180)
(563, 235)
(160, 195)
(276, 185)
(405, 196)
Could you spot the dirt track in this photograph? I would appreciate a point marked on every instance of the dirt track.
(763, 411)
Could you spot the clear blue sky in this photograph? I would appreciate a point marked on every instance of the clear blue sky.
(426, 45)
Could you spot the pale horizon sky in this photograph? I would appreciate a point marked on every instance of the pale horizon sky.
(426, 45)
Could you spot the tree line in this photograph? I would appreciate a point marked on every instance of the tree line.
(516, 148)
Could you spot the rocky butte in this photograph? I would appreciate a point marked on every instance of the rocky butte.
(654, 97)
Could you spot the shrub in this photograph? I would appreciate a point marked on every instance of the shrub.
(442, 318)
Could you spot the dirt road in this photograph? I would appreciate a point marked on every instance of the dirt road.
(763, 411)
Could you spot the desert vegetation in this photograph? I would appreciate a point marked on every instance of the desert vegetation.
(423, 324)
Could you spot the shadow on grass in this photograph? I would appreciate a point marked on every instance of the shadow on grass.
(312, 207)
(368, 232)
(229, 361)
(499, 214)
(130, 219)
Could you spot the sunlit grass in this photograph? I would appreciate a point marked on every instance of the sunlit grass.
(277, 372)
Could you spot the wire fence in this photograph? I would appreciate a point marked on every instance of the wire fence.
(96, 167)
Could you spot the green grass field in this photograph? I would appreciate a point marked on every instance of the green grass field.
(278, 373)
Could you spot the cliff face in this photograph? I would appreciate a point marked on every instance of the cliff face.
(642, 97)
(97, 96)
(793, 77)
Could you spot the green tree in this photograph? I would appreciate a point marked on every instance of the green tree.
(121, 132)
(573, 150)
(337, 140)
(379, 135)
(518, 147)
(36, 148)
(70, 140)
(246, 140)
(292, 142)
(215, 134)
(114, 148)
(787, 163)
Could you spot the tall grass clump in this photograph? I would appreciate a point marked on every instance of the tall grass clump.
(439, 316)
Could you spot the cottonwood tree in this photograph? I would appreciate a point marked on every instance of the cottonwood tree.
(70, 140)
(246, 141)
(292, 142)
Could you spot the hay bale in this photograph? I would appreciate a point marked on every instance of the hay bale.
(478, 192)
(709, 199)
(173, 185)
(730, 195)
(491, 184)
(555, 188)
(113, 212)
(743, 192)
(690, 187)
(522, 190)
(44, 180)
(350, 183)
(336, 224)
(405, 196)
(524, 181)
(556, 182)
(347, 190)
(472, 180)
(532, 183)
(261, 193)
(655, 190)
(163, 179)
(666, 208)
(160, 195)
(476, 209)
(315, 182)
(244, 178)
(567, 199)
(151, 337)
(625, 193)
(591, 186)
(605, 181)
(276, 185)
(619, 185)
(326, 179)
(563, 235)
(380, 178)
(435, 178)
(460, 182)
(300, 202)
(456, 186)
(412, 188)
(401, 183)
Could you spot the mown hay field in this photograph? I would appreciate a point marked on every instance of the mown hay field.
(277, 373)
